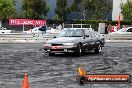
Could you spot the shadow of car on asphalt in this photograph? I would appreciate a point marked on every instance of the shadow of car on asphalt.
(86, 54)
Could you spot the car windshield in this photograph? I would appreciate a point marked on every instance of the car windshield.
(71, 33)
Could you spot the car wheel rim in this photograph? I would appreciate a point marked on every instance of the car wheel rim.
(100, 48)
(80, 51)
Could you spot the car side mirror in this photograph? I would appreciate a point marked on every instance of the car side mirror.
(86, 35)
(83, 37)
(54, 36)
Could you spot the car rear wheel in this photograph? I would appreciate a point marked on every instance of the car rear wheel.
(98, 49)
(51, 54)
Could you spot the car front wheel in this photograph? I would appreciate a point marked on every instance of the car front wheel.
(98, 49)
(79, 50)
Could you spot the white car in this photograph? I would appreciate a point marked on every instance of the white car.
(51, 30)
(34, 30)
(37, 30)
(4, 31)
(123, 31)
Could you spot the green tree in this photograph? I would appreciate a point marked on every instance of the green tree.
(127, 10)
(92, 9)
(7, 8)
(36, 9)
(62, 10)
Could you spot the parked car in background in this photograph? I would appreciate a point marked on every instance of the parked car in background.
(34, 30)
(52, 30)
(75, 40)
(42, 30)
(123, 31)
(4, 31)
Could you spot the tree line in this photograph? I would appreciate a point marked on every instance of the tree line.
(38, 9)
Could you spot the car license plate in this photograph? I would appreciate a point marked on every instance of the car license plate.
(65, 50)
(48, 50)
(55, 47)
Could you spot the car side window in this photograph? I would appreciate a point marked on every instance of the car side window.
(129, 30)
(79, 33)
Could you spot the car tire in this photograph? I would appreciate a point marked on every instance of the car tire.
(79, 50)
(51, 54)
(98, 49)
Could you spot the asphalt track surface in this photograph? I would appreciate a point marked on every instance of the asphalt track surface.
(59, 71)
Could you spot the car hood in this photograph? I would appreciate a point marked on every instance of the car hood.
(64, 40)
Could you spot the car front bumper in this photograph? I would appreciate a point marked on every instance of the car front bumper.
(60, 49)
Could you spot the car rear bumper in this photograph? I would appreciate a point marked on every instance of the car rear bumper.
(60, 49)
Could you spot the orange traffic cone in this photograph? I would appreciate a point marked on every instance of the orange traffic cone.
(25, 82)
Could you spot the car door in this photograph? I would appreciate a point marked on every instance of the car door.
(94, 39)
(88, 40)
(99, 39)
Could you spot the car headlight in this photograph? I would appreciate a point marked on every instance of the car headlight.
(47, 44)
(68, 44)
